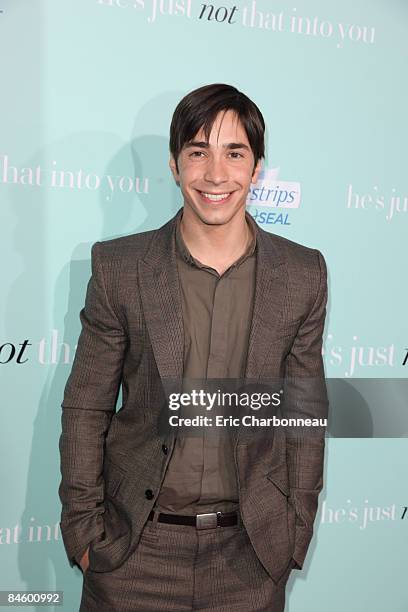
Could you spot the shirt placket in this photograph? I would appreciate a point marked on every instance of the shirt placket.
(216, 369)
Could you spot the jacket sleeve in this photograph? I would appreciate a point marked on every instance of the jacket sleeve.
(305, 396)
(88, 405)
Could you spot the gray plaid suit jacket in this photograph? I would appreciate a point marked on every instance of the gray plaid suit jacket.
(113, 463)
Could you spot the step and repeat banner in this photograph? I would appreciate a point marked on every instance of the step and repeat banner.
(88, 88)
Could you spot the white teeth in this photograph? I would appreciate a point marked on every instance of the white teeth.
(215, 197)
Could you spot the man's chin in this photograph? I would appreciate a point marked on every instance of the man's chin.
(215, 215)
(215, 218)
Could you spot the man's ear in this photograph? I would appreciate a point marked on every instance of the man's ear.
(256, 171)
(173, 168)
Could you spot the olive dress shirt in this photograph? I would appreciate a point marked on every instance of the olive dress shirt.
(217, 312)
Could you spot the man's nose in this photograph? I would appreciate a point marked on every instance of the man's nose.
(216, 171)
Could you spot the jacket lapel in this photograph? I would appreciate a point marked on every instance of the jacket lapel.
(160, 294)
(269, 299)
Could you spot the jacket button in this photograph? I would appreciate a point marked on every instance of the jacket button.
(149, 494)
(164, 449)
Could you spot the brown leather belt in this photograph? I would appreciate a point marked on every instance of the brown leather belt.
(208, 520)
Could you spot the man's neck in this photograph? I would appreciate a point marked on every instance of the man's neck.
(217, 246)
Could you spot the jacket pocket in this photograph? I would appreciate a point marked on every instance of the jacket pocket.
(113, 476)
(280, 479)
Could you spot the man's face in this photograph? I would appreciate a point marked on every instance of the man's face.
(215, 177)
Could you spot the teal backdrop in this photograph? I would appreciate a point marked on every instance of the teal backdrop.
(88, 88)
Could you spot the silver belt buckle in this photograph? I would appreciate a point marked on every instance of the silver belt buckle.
(206, 521)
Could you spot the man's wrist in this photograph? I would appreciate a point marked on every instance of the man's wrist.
(82, 559)
(295, 564)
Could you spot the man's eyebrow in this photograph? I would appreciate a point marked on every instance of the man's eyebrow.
(205, 145)
(237, 145)
(197, 143)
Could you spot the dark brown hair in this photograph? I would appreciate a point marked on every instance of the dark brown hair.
(199, 109)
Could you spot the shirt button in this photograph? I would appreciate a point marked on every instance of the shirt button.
(164, 449)
(149, 494)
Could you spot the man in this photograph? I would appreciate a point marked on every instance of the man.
(161, 521)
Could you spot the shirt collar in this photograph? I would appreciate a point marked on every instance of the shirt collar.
(186, 255)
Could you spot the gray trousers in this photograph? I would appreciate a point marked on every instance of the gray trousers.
(177, 567)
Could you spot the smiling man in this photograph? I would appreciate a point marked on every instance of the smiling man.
(159, 521)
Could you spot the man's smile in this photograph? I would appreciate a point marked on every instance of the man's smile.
(215, 197)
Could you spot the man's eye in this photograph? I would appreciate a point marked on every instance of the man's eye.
(235, 154)
(196, 154)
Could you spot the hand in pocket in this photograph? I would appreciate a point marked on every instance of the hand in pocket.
(84, 563)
